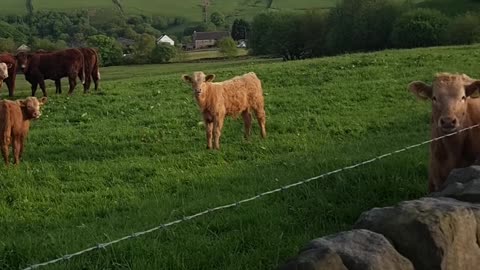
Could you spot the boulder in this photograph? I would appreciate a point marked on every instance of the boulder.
(350, 250)
(433, 233)
(462, 184)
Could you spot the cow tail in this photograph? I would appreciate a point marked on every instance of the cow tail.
(83, 71)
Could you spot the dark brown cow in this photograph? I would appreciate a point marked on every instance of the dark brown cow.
(15, 119)
(455, 102)
(91, 67)
(12, 71)
(54, 66)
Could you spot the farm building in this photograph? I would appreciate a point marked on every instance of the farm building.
(207, 39)
(165, 39)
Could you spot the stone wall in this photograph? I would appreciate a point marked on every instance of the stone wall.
(441, 231)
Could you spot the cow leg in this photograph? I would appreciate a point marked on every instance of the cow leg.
(88, 82)
(5, 151)
(10, 85)
(209, 131)
(260, 114)
(247, 121)
(217, 126)
(42, 86)
(34, 88)
(17, 149)
(96, 78)
(72, 80)
(58, 86)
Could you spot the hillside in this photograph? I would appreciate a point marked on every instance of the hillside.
(189, 8)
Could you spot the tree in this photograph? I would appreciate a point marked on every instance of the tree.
(109, 50)
(144, 46)
(419, 28)
(464, 29)
(48, 45)
(240, 29)
(217, 19)
(7, 45)
(362, 25)
(228, 47)
(163, 53)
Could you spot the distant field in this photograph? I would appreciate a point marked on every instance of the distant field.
(104, 165)
(188, 8)
(195, 55)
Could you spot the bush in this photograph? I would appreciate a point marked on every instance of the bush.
(464, 29)
(48, 45)
(228, 47)
(419, 28)
(163, 53)
(110, 51)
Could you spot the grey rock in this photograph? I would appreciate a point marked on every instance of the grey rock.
(463, 175)
(467, 192)
(433, 233)
(358, 250)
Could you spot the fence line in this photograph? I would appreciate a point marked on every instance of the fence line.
(186, 218)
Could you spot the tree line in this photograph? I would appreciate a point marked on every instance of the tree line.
(359, 25)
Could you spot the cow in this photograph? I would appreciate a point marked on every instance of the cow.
(92, 71)
(38, 67)
(455, 106)
(11, 63)
(239, 95)
(15, 117)
(3, 73)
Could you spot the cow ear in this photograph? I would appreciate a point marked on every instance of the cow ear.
(43, 100)
(23, 102)
(420, 90)
(187, 78)
(473, 90)
(209, 78)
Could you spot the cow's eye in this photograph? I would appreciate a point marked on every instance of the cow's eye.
(434, 98)
(464, 98)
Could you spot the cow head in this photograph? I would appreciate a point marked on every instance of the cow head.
(449, 94)
(23, 60)
(31, 107)
(3, 72)
(198, 82)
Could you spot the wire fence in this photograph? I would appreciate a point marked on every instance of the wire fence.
(238, 203)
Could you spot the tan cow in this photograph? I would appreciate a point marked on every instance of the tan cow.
(455, 105)
(15, 119)
(239, 95)
(3, 73)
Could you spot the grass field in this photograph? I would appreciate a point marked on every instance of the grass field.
(101, 166)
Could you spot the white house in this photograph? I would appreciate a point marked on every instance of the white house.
(165, 39)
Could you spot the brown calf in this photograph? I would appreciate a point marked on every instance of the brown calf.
(240, 95)
(15, 119)
(92, 71)
(455, 105)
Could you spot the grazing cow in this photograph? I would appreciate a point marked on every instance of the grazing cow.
(3, 73)
(15, 119)
(239, 95)
(54, 66)
(11, 63)
(91, 67)
(455, 105)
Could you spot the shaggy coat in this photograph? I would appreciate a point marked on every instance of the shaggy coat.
(54, 66)
(455, 105)
(238, 96)
(15, 119)
(12, 72)
(92, 71)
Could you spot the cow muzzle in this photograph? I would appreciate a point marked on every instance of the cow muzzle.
(448, 124)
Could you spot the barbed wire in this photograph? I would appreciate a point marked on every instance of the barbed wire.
(238, 203)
